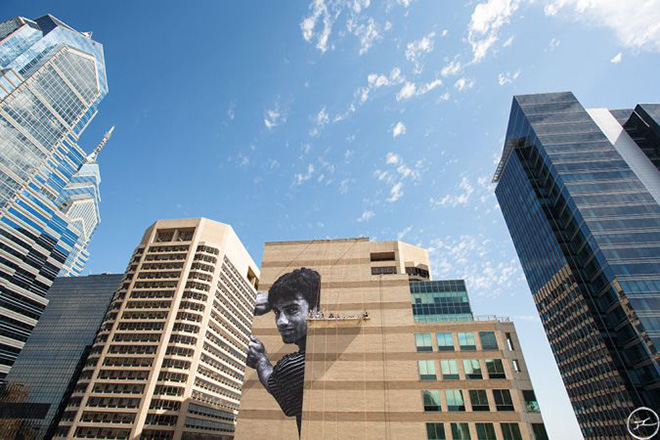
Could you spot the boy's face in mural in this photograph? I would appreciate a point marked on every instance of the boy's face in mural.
(291, 318)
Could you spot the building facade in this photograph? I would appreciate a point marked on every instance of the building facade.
(168, 360)
(52, 79)
(48, 366)
(389, 354)
(580, 192)
(80, 201)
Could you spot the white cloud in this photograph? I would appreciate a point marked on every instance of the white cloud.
(410, 89)
(367, 32)
(634, 22)
(460, 198)
(617, 58)
(554, 44)
(425, 88)
(407, 91)
(453, 68)
(322, 117)
(509, 41)
(476, 259)
(396, 192)
(392, 159)
(344, 185)
(300, 178)
(463, 84)
(401, 234)
(404, 3)
(274, 117)
(487, 18)
(398, 130)
(416, 50)
(320, 15)
(366, 216)
(479, 195)
(507, 78)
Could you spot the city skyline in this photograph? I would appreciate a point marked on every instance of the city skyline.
(297, 106)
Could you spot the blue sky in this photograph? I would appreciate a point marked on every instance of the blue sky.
(328, 118)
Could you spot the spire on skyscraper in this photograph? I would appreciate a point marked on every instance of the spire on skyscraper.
(92, 157)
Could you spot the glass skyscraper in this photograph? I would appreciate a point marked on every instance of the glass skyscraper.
(580, 193)
(43, 375)
(52, 78)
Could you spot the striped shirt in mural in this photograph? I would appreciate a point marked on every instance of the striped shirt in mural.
(286, 384)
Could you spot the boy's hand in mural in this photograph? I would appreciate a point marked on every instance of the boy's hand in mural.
(257, 359)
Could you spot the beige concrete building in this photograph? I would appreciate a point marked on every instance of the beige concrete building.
(169, 358)
(416, 366)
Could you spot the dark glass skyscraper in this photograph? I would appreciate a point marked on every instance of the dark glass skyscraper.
(46, 370)
(580, 193)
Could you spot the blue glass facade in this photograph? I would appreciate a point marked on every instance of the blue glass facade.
(43, 375)
(585, 223)
(439, 301)
(52, 79)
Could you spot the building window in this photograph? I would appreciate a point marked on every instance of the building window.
(516, 365)
(531, 404)
(382, 256)
(539, 431)
(388, 270)
(509, 342)
(455, 400)
(435, 431)
(426, 370)
(449, 369)
(466, 341)
(495, 369)
(503, 400)
(488, 341)
(445, 341)
(423, 342)
(486, 431)
(511, 431)
(472, 369)
(431, 400)
(479, 400)
(460, 431)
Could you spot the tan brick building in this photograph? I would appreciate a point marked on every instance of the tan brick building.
(418, 367)
(169, 358)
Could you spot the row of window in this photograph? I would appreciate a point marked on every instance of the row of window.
(472, 369)
(484, 431)
(479, 400)
(466, 341)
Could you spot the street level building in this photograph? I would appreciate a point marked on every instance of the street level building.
(168, 360)
(580, 192)
(389, 354)
(48, 366)
(52, 79)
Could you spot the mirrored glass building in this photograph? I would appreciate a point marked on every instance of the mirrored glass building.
(580, 192)
(52, 79)
(42, 378)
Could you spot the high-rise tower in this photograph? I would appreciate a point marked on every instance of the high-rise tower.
(580, 193)
(52, 78)
(80, 202)
(169, 358)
